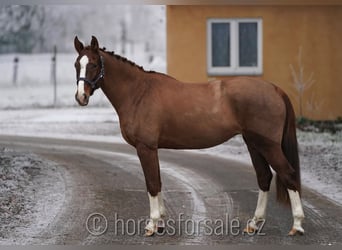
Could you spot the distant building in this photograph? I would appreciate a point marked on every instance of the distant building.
(263, 38)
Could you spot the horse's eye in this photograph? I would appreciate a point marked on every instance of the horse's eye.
(92, 65)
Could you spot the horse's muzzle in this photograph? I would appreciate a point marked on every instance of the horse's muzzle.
(82, 99)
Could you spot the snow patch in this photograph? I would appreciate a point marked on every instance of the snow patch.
(32, 193)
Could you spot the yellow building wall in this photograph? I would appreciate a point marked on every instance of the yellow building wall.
(317, 30)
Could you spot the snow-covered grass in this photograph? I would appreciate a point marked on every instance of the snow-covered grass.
(36, 69)
(80, 123)
(43, 96)
(321, 162)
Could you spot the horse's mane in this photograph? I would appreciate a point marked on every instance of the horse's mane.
(125, 60)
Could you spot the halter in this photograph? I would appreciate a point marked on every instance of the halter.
(92, 83)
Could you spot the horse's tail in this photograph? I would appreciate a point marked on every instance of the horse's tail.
(289, 146)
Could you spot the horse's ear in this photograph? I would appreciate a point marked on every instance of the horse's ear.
(78, 45)
(94, 43)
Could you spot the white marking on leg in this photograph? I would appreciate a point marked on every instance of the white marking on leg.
(154, 213)
(260, 210)
(83, 67)
(297, 210)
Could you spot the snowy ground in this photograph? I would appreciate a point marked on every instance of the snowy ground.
(32, 192)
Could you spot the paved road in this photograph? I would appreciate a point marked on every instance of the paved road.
(205, 197)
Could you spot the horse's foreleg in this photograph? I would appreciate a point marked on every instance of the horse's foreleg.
(259, 214)
(150, 164)
(157, 211)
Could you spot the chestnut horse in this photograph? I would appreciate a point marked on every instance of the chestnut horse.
(157, 111)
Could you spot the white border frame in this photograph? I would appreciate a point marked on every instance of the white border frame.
(234, 69)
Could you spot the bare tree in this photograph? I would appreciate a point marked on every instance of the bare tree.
(38, 28)
(299, 82)
(20, 28)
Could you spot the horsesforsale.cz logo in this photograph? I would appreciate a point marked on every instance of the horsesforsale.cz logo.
(96, 224)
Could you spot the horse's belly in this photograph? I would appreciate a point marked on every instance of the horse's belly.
(198, 126)
(195, 138)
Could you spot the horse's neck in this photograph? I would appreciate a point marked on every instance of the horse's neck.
(122, 83)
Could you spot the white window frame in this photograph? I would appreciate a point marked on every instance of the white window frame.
(234, 68)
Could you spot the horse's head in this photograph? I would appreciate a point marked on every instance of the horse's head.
(89, 70)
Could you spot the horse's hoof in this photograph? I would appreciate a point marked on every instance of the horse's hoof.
(295, 231)
(250, 230)
(149, 232)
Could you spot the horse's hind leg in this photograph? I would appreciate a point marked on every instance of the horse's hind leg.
(264, 177)
(150, 164)
(275, 156)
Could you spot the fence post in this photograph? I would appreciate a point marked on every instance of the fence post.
(15, 70)
(54, 75)
(123, 37)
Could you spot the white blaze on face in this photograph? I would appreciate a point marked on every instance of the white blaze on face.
(83, 66)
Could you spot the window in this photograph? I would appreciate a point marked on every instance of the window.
(234, 46)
